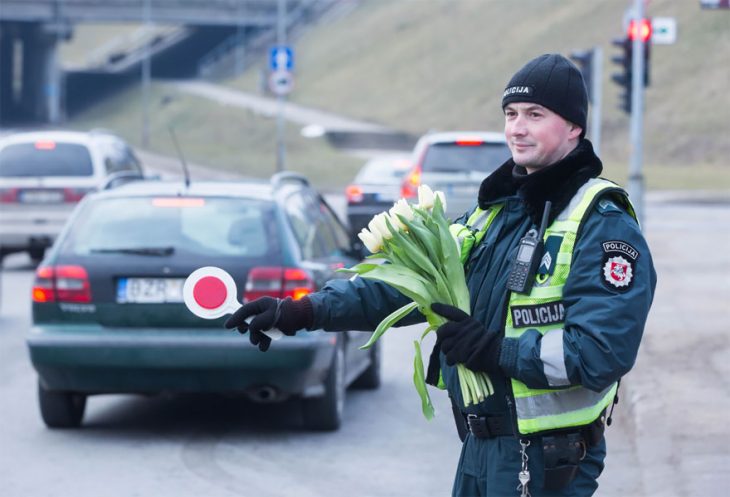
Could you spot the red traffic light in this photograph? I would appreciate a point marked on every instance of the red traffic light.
(640, 29)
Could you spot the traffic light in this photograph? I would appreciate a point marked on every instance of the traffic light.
(623, 79)
(642, 29)
(584, 61)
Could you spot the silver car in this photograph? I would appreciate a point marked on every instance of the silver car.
(456, 163)
(44, 174)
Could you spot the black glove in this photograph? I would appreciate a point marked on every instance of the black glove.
(286, 315)
(464, 340)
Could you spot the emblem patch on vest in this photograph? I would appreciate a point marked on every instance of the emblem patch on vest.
(619, 259)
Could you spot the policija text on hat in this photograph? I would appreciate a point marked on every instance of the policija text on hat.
(556, 335)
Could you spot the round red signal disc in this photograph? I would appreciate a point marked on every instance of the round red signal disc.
(210, 292)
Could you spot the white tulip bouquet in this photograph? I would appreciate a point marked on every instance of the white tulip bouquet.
(423, 262)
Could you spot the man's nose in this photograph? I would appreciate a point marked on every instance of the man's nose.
(517, 125)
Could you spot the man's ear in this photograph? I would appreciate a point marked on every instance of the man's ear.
(575, 131)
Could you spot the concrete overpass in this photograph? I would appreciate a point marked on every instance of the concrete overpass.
(32, 83)
(198, 12)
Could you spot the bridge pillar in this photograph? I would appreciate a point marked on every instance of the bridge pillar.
(42, 75)
(6, 73)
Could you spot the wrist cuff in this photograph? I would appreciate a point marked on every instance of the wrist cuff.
(508, 356)
(295, 315)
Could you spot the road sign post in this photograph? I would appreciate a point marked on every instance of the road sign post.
(281, 83)
(281, 56)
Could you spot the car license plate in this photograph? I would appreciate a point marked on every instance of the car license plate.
(150, 290)
(41, 196)
(460, 189)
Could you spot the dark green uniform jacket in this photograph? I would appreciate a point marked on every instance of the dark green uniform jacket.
(603, 323)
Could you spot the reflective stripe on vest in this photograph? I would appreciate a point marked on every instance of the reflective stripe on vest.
(469, 235)
(540, 410)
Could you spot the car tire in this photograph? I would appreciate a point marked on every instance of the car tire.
(36, 254)
(325, 413)
(370, 378)
(61, 409)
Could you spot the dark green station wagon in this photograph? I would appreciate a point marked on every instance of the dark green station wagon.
(108, 311)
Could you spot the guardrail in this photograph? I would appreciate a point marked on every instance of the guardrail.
(201, 12)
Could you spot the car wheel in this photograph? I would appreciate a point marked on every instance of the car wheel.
(61, 409)
(370, 378)
(325, 413)
(36, 254)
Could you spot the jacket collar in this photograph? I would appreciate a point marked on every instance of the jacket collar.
(557, 183)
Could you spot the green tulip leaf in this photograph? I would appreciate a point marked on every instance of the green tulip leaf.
(388, 322)
(419, 380)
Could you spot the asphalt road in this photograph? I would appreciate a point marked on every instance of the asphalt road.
(212, 446)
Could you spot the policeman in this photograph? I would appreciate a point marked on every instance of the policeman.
(557, 313)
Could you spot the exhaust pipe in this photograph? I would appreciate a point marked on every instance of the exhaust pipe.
(263, 394)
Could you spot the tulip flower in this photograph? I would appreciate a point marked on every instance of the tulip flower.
(441, 195)
(400, 208)
(425, 197)
(372, 242)
(379, 226)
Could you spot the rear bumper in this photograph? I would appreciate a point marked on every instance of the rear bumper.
(20, 230)
(94, 359)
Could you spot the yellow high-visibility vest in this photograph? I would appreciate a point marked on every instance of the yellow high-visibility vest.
(540, 410)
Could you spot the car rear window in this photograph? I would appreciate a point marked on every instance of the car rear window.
(452, 157)
(383, 171)
(45, 158)
(208, 226)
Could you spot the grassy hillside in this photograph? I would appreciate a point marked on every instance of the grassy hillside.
(442, 64)
(215, 135)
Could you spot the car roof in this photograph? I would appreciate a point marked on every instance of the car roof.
(252, 189)
(452, 136)
(80, 137)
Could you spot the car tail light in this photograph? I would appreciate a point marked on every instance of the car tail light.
(43, 288)
(277, 282)
(61, 284)
(411, 182)
(178, 202)
(45, 145)
(469, 142)
(353, 194)
(8, 195)
(71, 195)
(297, 283)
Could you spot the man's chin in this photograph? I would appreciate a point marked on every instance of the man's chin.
(523, 161)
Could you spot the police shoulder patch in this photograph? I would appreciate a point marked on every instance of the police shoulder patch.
(618, 263)
(605, 206)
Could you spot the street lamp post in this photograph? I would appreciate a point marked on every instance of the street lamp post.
(146, 70)
(280, 99)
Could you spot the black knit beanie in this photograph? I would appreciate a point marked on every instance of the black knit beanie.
(554, 82)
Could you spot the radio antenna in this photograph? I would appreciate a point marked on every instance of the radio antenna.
(180, 155)
(545, 217)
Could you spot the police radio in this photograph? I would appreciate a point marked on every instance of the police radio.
(527, 260)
